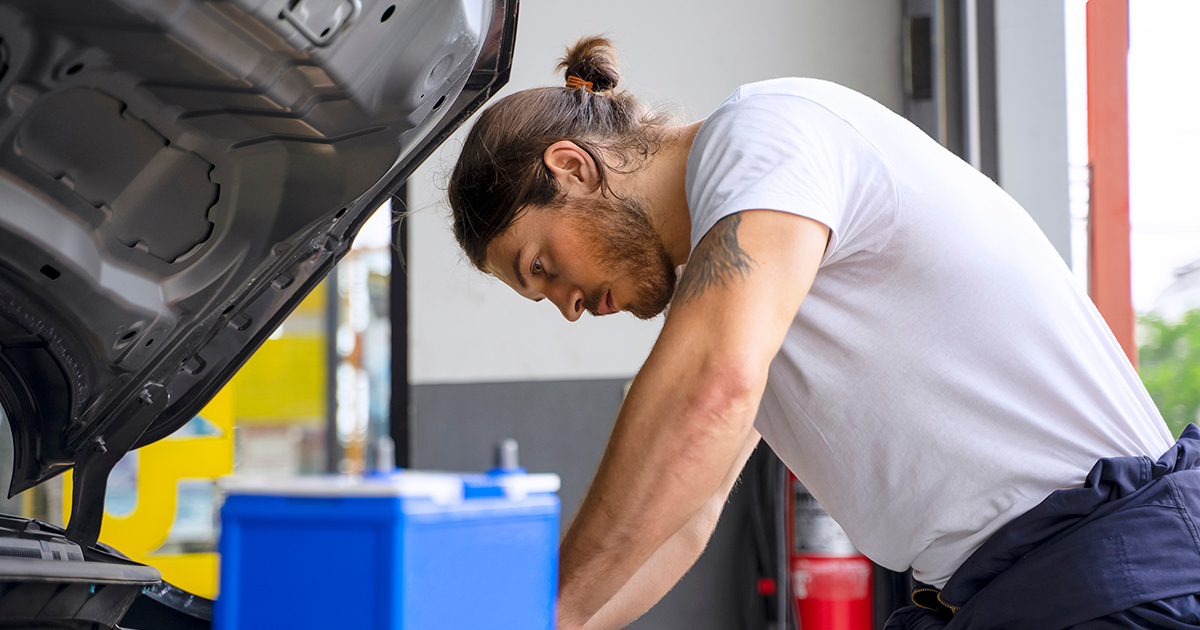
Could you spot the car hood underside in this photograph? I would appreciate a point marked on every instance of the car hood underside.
(175, 176)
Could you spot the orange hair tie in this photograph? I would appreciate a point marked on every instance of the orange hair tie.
(576, 82)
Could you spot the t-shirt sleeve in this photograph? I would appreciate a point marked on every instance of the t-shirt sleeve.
(787, 153)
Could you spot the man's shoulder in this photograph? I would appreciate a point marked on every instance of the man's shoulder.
(797, 86)
(784, 114)
(783, 106)
(749, 95)
(798, 89)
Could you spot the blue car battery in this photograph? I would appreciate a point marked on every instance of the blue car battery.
(405, 550)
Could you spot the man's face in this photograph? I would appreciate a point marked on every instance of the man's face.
(595, 254)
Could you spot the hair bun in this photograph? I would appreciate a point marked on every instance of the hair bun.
(592, 59)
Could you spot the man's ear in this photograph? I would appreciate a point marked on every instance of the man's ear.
(572, 166)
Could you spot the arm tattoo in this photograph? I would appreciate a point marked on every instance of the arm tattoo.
(717, 260)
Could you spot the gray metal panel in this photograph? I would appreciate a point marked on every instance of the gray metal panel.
(1031, 100)
(562, 427)
(940, 110)
(7, 505)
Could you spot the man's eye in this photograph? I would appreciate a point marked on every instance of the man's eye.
(537, 267)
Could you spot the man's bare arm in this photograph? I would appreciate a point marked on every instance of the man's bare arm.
(719, 262)
(692, 406)
(672, 560)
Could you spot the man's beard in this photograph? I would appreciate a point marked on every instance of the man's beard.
(628, 247)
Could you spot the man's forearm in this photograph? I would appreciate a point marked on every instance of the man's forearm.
(665, 568)
(657, 577)
(666, 458)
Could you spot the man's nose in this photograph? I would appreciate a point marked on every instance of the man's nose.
(569, 300)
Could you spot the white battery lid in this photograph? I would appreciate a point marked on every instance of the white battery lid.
(440, 487)
(517, 487)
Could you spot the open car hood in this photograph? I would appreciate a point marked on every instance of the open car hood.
(176, 175)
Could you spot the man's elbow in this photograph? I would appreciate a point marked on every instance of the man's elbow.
(731, 387)
(724, 399)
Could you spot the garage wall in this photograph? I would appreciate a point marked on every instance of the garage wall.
(486, 364)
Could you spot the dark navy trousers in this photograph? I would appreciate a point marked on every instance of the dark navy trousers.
(1121, 552)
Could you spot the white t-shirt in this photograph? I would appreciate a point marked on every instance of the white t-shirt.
(944, 374)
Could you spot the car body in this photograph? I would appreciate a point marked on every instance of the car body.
(175, 176)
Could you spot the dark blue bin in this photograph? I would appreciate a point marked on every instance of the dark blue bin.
(408, 551)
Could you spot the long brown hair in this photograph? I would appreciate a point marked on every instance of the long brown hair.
(501, 171)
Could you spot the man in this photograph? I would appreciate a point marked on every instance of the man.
(892, 323)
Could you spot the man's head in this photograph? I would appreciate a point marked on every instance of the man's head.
(510, 192)
(595, 253)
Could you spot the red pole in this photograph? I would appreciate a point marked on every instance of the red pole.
(1108, 153)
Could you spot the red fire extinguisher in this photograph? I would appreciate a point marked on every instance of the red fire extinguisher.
(830, 578)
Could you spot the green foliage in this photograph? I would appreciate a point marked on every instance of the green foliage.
(1170, 367)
